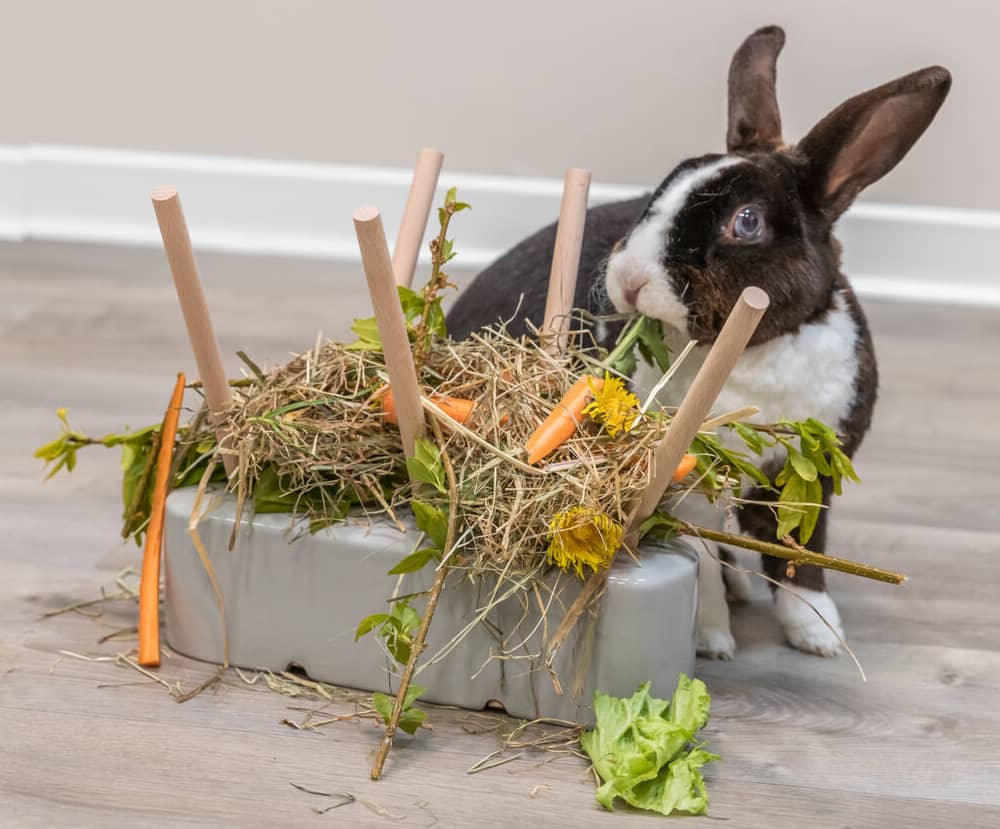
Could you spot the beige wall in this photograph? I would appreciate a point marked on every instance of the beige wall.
(624, 88)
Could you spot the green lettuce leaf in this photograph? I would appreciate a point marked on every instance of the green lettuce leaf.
(642, 749)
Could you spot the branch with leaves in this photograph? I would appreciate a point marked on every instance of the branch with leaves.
(429, 465)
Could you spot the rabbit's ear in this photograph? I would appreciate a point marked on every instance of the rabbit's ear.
(866, 136)
(754, 121)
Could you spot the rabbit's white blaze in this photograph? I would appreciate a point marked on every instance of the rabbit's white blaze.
(636, 276)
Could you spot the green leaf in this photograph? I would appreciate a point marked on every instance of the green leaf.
(411, 719)
(436, 319)
(711, 453)
(426, 464)
(641, 749)
(845, 466)
(814, 494)
(651, 344)
(407, 618)
(412, 303)
(50, 451)
(681, 789)
(789, 518)
(269, 495)
(627, 363)
(803, 467)
(412, 693)
(415, 561)
(750, 436)
(383, 703)
(450, 197)
(369, 623)
(431, 520)
(368, 337)
(819, 459)
(659, 525)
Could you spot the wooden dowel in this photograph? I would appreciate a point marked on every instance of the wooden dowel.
(566, 257)
(180, 256)
(700, 398)
(391, 324)
(418, 208)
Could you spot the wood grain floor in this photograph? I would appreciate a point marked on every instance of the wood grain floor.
(805, 743)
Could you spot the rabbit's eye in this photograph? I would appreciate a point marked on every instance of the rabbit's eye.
(747, 224)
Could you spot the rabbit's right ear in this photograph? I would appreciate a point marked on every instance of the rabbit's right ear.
(754, 121)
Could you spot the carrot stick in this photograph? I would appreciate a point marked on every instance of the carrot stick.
(149, 583)
(563, 420)
(688, 462)
(457, 408)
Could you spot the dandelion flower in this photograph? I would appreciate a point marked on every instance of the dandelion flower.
(613, 405)
(583, 537)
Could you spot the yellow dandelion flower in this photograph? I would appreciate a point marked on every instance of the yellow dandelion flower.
(583, 537)
(613, 405)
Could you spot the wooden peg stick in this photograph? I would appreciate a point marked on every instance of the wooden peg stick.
(566, 257)
(418, 208)
(697, 403)
(391, 324)
(180, 256)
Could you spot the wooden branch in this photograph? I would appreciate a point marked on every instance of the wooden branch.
(566, 258)
(391, 324)
(799, 555)
(180, 256)
(418, 208)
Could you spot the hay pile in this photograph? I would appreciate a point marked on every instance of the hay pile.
(318, 424)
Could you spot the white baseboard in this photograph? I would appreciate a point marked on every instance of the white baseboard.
(301, 209)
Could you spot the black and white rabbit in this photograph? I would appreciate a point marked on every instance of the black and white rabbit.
(761, 214)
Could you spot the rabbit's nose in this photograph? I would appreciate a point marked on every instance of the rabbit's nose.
(634, 283)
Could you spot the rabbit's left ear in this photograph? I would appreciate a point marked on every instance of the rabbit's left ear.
(868, 135)
(754, 121)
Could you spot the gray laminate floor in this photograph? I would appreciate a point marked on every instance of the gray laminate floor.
(805, 743)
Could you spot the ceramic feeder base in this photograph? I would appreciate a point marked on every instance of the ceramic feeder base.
(300, 603)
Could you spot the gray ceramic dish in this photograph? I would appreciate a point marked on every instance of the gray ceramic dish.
(300, 603)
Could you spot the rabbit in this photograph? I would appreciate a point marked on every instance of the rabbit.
(761, 214)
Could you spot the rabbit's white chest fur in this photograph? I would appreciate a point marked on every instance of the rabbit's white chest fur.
(808, 373)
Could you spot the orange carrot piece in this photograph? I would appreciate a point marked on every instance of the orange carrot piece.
(684, 468)
(457, 408)
(563, 420)
(149, 583)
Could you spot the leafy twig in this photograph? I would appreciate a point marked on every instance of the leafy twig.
(441, 253)
(797, 554)
(420, 640)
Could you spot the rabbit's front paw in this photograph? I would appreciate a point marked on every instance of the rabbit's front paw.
(715, 642)
(803, 628)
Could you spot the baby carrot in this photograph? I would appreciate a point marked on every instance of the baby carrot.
(562, 422)
(684, 468)
(456, 408)
(149, 583)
